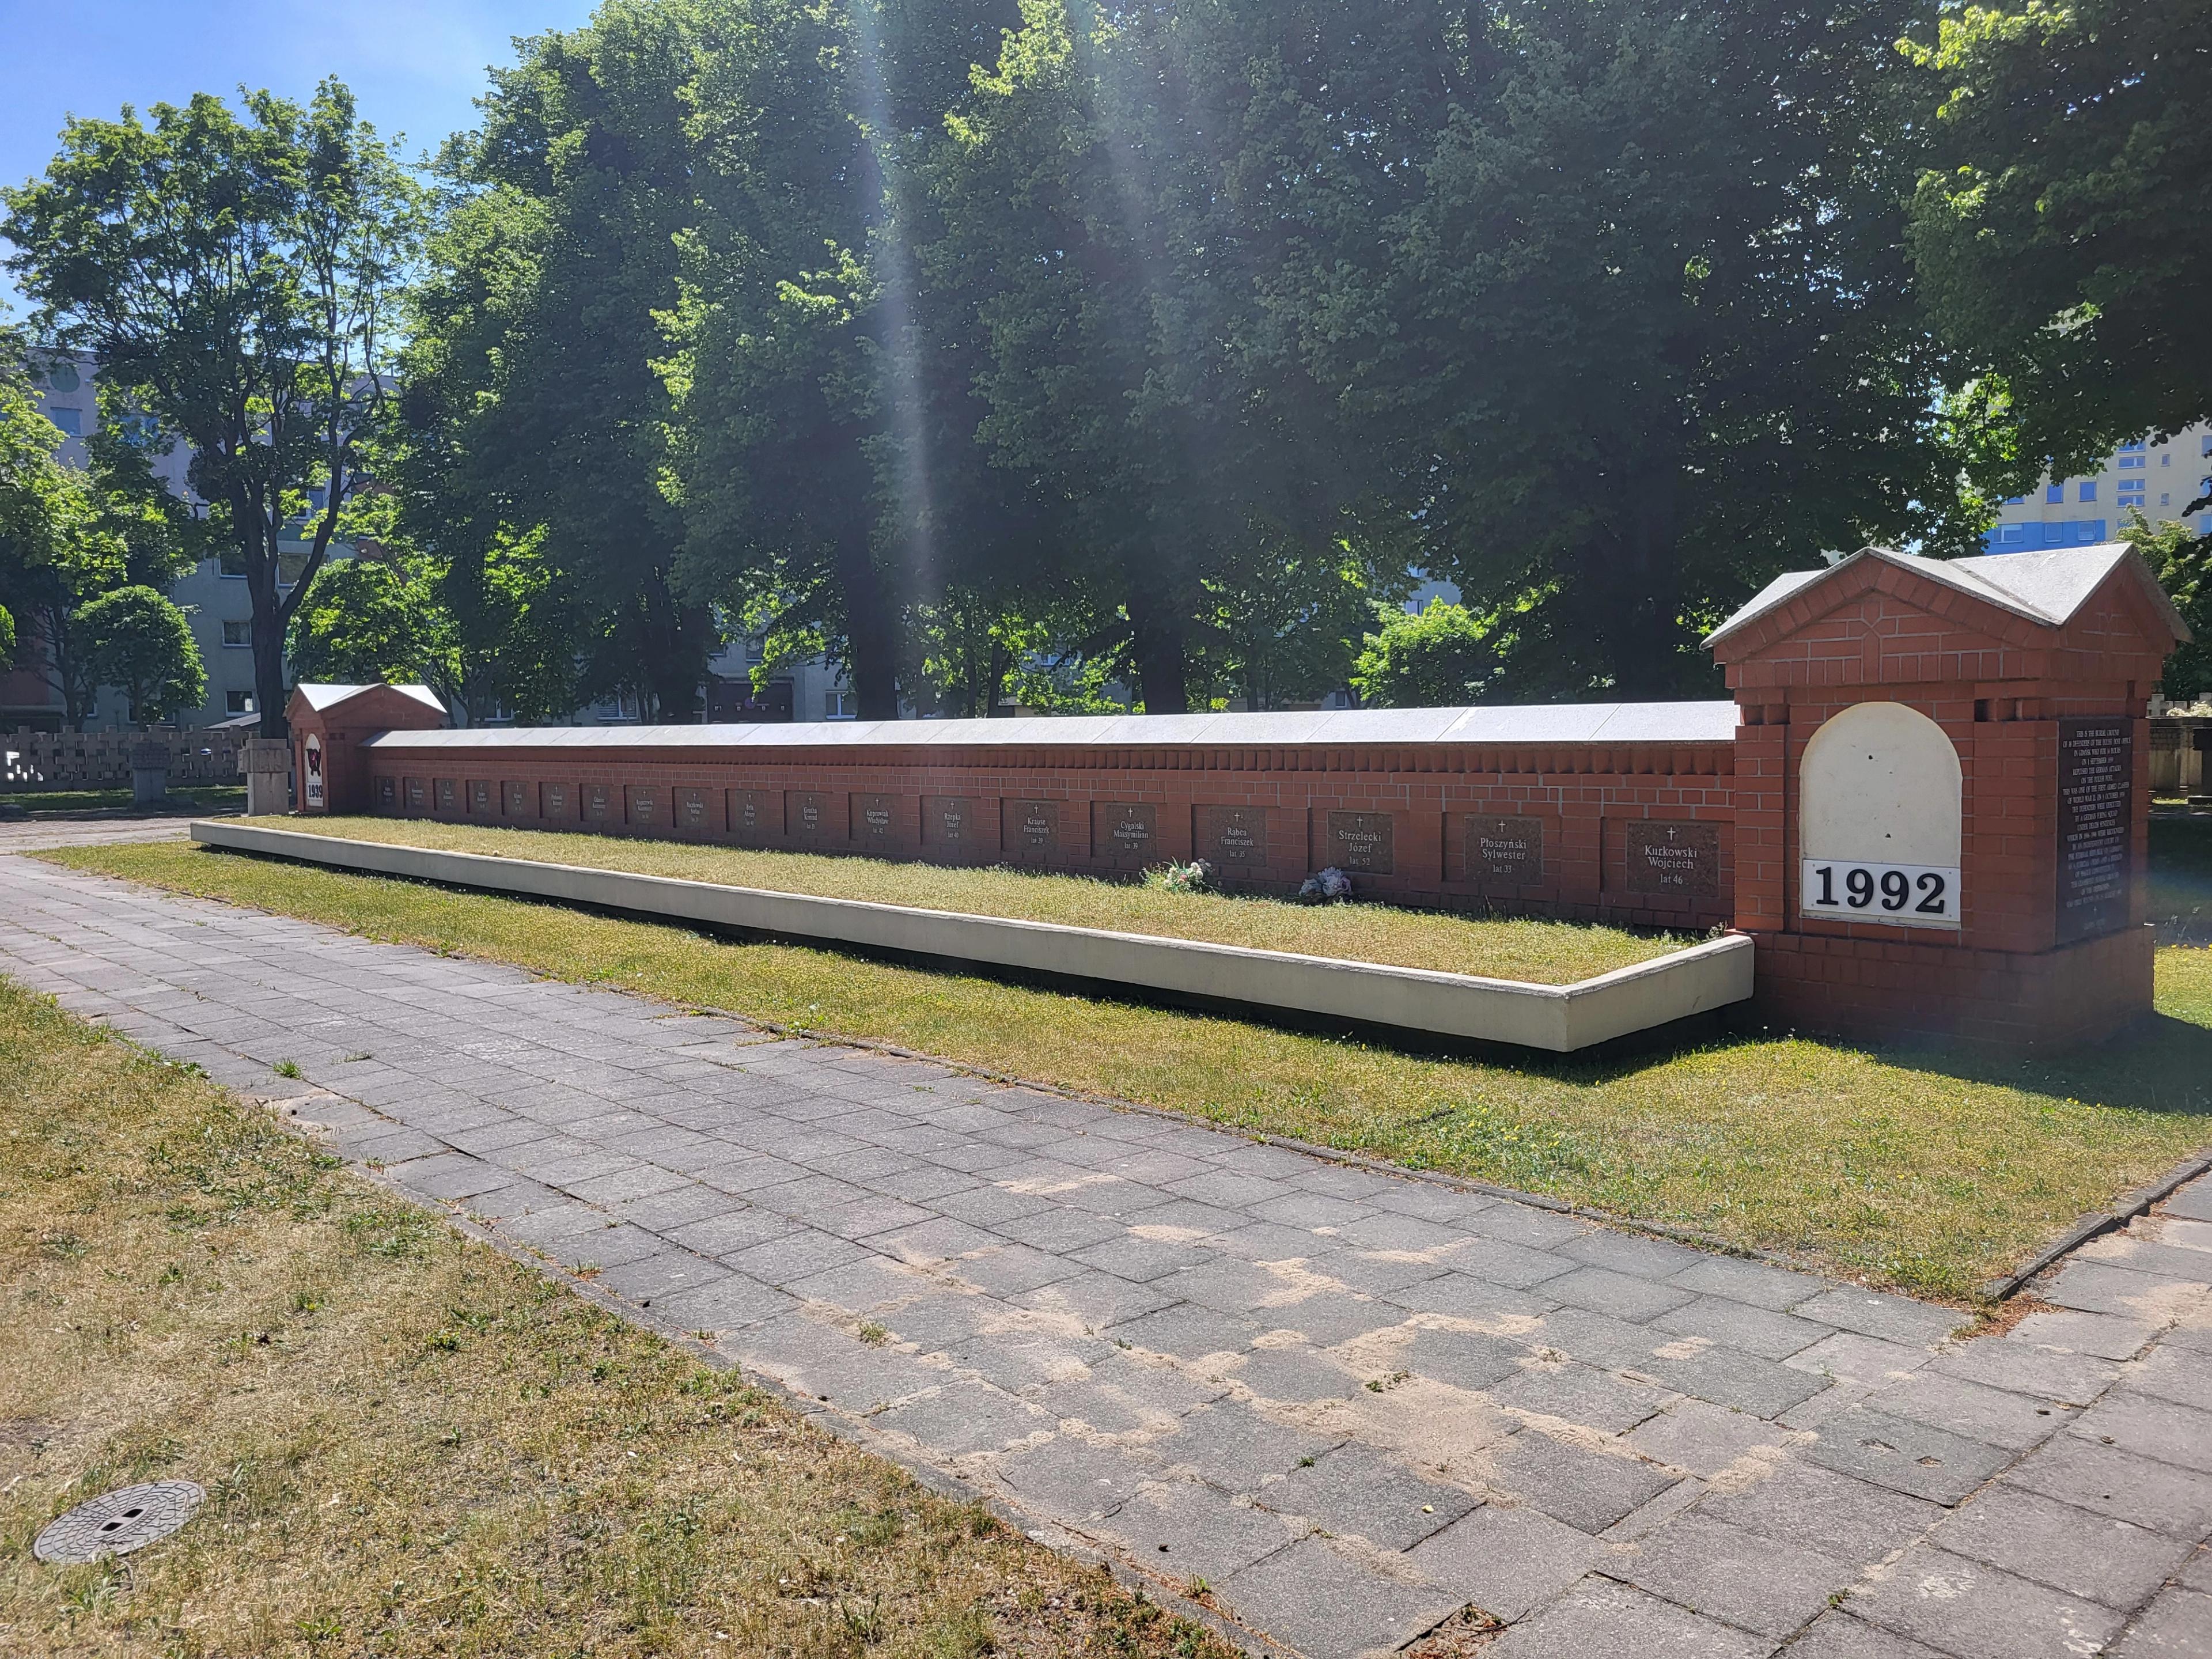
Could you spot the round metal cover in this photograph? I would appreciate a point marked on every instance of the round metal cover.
(118, 1521)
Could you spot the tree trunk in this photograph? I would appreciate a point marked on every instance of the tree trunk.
(268, 646)
(1158, 638)
(871, 657)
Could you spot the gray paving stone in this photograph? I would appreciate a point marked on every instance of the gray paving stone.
(2197, 1572)
(1578, 1394)
(2095, 1557)
(800, 1253)
(1466, 1359)
(1011, 1269)
(1589, 1491)
(1097, 1301)
(655, 1277)
(2177, 1625)
(1119, 1395)
(966, 1417)
(1330, 1607)
(1189, 1530)
(1746, 1578)
(1600, 1619)
(1631, 1252)
(1506, 1561)
(2109, 1481)
(1185, 1330)
(871, 1285)
(2048, 1374)
(1891, 1318)
(1904, 1455)
(1863, 1359)
(2150, 1427)
(739, 1230)
(2182, 1376)
(1352, 1490)
(2104, 1335)
(1754, 1329)
(1994, 1416)
(1960, 1606)
(1294, 1375)
(1705, 1438)
(2092, 1287)
(1236, 1449)
(728, 1305)
(1328, 1317)
(1076, 1482)
(1463, 1296)
(1141, 1260)
(1624, 1296)
(1807, 1505)
(1838, 1635)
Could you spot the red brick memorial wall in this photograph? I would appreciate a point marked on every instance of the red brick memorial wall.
(1924, 800)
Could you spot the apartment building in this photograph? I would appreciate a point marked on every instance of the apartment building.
(2159, 479)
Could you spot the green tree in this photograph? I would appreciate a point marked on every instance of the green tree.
(376, 618)
(2062, 230)
(1439, 657)
(2181, 559)
(234, 272)
(140, 641)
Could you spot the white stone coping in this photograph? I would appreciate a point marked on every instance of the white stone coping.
(1558, 1017)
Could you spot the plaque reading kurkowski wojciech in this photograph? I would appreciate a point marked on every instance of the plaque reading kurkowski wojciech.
(2096, 825)
(1125, 831)
(1505, 851)
(1231, 835)
(1682, 859)
(1363, 843)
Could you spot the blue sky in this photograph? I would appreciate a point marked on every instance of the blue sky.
(415, 66)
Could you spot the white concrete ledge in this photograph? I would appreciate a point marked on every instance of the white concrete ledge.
(1558, 1017)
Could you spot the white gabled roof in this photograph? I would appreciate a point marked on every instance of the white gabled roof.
(2045, 587)
(321, 696)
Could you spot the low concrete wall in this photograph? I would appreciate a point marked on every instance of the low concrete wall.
(1558, 1017)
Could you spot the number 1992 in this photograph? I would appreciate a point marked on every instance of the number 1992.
(1901, 895)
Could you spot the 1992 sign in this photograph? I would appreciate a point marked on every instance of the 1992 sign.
(1900, 895)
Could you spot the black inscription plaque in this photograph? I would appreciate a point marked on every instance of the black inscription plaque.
(950, 827)
(448, 795)
(1232, 834)
(2096, 825)
(1361, 842)
(1032, 829)
(1508, 851)
(388, 795)
(641, 805)
(521, 800)
(1125, 831)
(560, 804)
(755, 815)
(693, 809)
(480, 799)
(1683, 859)
(875, 822)
(814, 815)
(599, 801)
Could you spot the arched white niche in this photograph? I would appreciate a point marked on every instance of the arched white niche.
(1878, 812)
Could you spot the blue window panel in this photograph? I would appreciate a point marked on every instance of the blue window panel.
(70, 421)
(2016, 501)
(2138, 444)
(2055, 494)
(2127, 461)
(2089, 491)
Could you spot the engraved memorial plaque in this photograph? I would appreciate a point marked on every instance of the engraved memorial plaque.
(755, 815)
(950, 827)
(598, 802)
(1232, 834)
(1507, 851)
(693, 808)
(418, 795)
(1032, 829)
(480, 804)
(559, 804)
(876, 822)
(1364, 842)
(642, 806)
(521, 800)
(814, 815)
(1125, 832)
(388, 795)
(1680, 859)
(2096, 825)
(448, 795)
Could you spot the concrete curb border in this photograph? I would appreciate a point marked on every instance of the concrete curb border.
(1557, 1019)
(2126, 1208)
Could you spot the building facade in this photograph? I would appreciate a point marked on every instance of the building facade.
(2158, 479)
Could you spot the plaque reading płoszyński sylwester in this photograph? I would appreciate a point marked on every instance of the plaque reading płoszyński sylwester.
(1682, 859)
(1506, 851)
(2096, 825)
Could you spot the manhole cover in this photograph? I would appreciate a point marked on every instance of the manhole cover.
(118, 1521)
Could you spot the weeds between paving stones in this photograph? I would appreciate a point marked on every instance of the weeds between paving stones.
(1929, 1172)
(411, 1444)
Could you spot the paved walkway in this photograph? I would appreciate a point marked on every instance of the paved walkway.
(1354, 1404)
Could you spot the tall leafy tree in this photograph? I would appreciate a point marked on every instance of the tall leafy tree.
(2062, 231)
(235, 269)
(141, 642)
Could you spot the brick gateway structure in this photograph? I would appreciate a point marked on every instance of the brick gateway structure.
(1922, 800)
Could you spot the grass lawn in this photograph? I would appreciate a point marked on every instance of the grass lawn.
(1920, 1171)
(201, 796)
(412, 1445)
(1544, 952)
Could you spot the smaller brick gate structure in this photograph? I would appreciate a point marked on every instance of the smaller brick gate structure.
(1923, 801)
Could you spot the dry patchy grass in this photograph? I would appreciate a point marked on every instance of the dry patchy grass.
(1917, 1171)
(412, 1445)
(1500, 947)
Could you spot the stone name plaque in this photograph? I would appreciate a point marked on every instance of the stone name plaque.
(1362, 843)
(560, 802)
(876, 822)
(2096, 825)
(1677, 859)
(1126, 832)
(418, 795)
(480, 804)
(755, 815)
(388, 795)
(521, 800)
(814, 815)
(598, 799)
(448, 795)
(1032, 829)
(695, 811)
(950, 827)
(1233, 835)
(642, 806)
(1505, 851)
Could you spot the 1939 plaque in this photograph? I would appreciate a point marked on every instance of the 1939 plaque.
(1681, 859)
(2096, 825)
